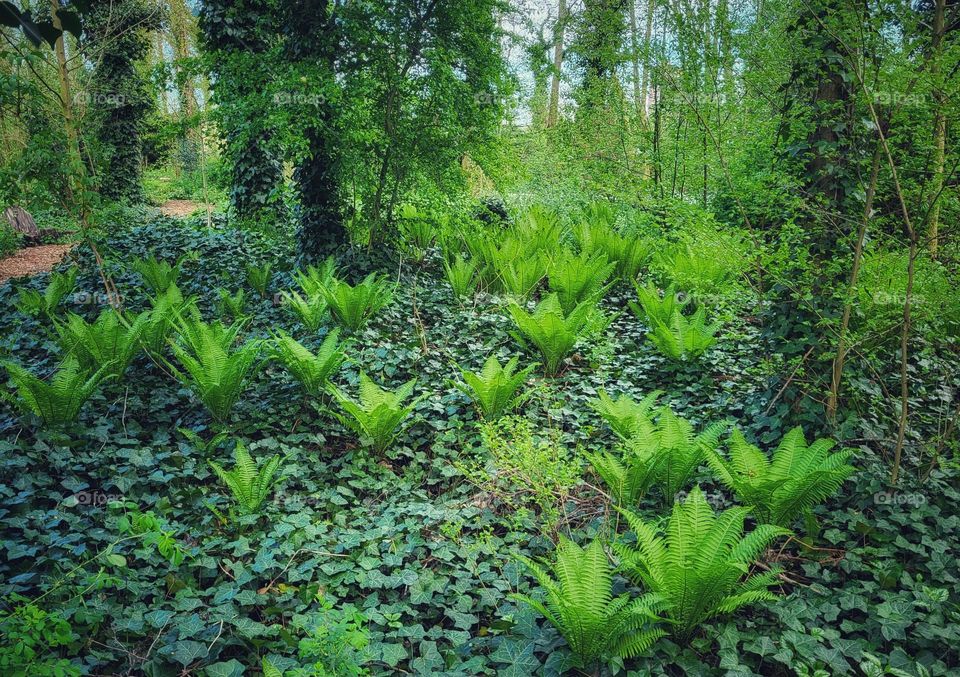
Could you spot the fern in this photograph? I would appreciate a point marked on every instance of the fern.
(258, 277)
(314, 279)
(352, 306)
(653, 308)
(625, 415)
(310, 310)
(684, 338)
(377, 416)
(553, 332)
(462, 276)
(579, 279)
(157, 274)
(109, 340)
(520, 275)
(213, 368)
(579, 603)
(58, 401)
(795, 479)
(630, 475)
(312, 370)
(249, 483)
(698, 272)
(630, 254)
(32, 302)
(231, 305)
(494, 388)
(697, 565)
(166, 308)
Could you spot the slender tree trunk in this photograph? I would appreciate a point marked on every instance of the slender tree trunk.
(635, 60)
(75, 184)
(939, 129)
(644, 84)
(841, 355)
(553, 110)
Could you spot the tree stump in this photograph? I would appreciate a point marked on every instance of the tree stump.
(21, 221)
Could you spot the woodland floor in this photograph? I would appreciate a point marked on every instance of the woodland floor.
(33, 260)
(180, 208)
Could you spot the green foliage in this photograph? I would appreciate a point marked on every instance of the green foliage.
(796, 478)
(10, 240)
(165, 309)
(580, 604)
(249, 482)
(232, 305)
(337, 641)
(310, 310)
(552, 331)
(312, 370)
(215, 369)
(158, 274)
(32, 302)
(656, 309)
(314, 279)
(627, 417)
(462, 276)
(352, 306)
(673, 439)
(494, 388)
(30, 641)
(109, 340)
(629, 476)
(417, 230)
(696, 565)
(701, 272)
(258, 277)
(58, 401)
(378, 414)
(684, 338)
(629, 254)
(579, 279)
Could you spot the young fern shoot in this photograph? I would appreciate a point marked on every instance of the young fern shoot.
(377, 416)
(249, 483)
(312, 370)
(494, 388)
(57, 401)
(552, 331)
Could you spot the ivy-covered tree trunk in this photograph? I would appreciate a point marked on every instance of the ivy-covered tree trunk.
(118, 99)
(237, 36)
(312, 39)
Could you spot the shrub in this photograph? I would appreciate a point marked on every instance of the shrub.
(59, 401)
(352, 306)
(789, 484)
(494, 388)
(377, 416)
(550, 330)
(696, 565)
(312, 370)
(581, 606)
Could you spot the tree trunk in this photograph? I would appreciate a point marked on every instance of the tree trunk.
(635, 60)
(554, 108)
(939, 129)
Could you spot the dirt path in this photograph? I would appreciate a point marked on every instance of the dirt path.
(180, 208)
(32, 260)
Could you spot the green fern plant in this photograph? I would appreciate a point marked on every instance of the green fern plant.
(698, 564)
(672, 438)
(314, 279)
(786, 486)
(625, 415)
(630, 254)
(684, 338)
(231, 305)
(580, 604)
(213, 368)
(249, 483)
(58, 401)
(630, 475)
(352, 306)
(461, 275)
(520, 275)
(701, 272)
(32, 302)
(158, 274)
(164, 311)
(494, 388)
(312, 370)
(552, 331)
(579, 278)
(110, 339)
(653, 308)
(310, 310)
(377, 416)
(258, 277)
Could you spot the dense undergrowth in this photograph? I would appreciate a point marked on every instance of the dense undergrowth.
(123, 551)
